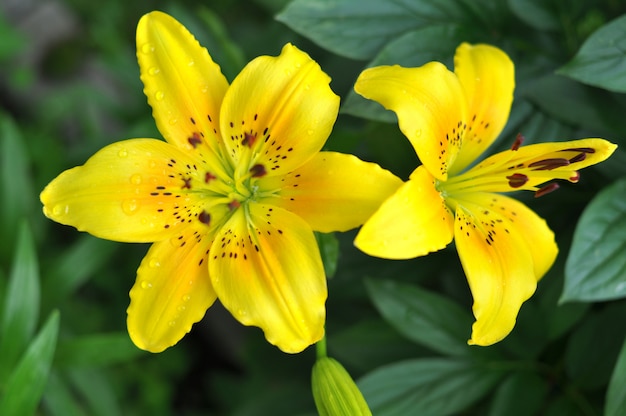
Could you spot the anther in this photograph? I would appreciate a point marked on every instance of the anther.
(580, 149)
(546, 189)
(258, 170)
(549, 164)
(249, 139)
(195, 139)
(234, 204)
(187, 184)
(517, 179)
(519, 139)
(578, 158)
(208, 177)
(204, 217)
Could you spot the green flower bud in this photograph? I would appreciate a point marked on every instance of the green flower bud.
(335, 392)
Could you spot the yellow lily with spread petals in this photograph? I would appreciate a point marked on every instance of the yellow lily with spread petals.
(450, 118)
(231, 199)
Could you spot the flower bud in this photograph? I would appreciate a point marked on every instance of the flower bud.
(334, 391)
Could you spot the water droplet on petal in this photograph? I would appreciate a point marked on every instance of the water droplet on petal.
(122, 153)
(181, 308)
(418, 132)
(147, 48)
(154, 263)
(130, 206)
(310, 132)
(186, 298)
(135, 179)
(173, 121)
(159, 95)
(146, 284)
(152, 164)
(191, 63)
(60, 209)
(154, 70)
(242, 312)
(172, 323)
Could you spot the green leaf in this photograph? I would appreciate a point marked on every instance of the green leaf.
(25, 387)
(433, 386)
(616, 393)
(596, 266)
(424, 317)
(601, 60)
(16, 188)
(334, 391)
(96, 350)
(329, 249)
(359, 29)
(535, 13)
(58, 399)
(96, 391)
(21, 305)
(520, 394)
(594, 345)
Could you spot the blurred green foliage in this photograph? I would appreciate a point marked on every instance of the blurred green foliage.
(69, 85)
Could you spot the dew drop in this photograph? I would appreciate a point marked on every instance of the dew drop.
(147, 48)
(310, 132)
(186, 298)
(172, 323)
(242, 312)
(146, 284)
(173, 121)
(135, 179)
(154, 70)
(159, 95)
(418, 132)
(181, 308)
(191, 63)
(60, 209)
(122, 153)
(154, 263)
(307, 87)
(152, 164)
(130, 206)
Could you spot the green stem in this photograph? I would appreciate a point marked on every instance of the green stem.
(320, 348)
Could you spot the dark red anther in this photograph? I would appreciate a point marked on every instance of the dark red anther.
(234, 204)
(187, 184)
(551, 187)
(519, 139)
(208, 177)
(575, 178)
(578, 158)
(517, 179)
(204, 217)
(549, 164)
(580, 149)
(258, 170)
(195, 139)
(249, 139)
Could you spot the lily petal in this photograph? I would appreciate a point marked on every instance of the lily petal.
(184, 86)
(267, 271)
(488, 78)
(136, 190)
(413, 222)
(333, 191)
(430, 106)
(278, 112)
(537, 236)
(172, 291)
(499, 269)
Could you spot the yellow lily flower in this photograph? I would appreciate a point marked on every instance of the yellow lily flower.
(450, 118)
(231, 199)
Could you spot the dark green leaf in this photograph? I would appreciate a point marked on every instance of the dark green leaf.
(434, 386)
(616, 393)
(520, 394)
(329, 249)
(96, 391)
(25, 387)
(424, 317)
(58, 399)
(535, 13)
(359, 29)
(96, 350)
(593, 347)
(596, 266)
(601, 61)
(21, 305)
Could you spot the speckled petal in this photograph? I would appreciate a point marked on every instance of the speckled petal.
(430, 106)
(333, 191)
(266, 269)
(499, 269)
(139, 190)
(488, 79)
(184, 86)
(172, 291)
(278, 112)
(413, 222)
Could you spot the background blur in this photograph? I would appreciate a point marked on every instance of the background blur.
(69, 85)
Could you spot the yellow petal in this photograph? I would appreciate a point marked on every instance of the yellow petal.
(333, 191)
(498, 266)
(488, 79)
(430, 106)
(266, 269)
(533, 166)
(184, 86)
(537, 235)
(413, 222)
(278, 112)
(172, 291)
(139, 190)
